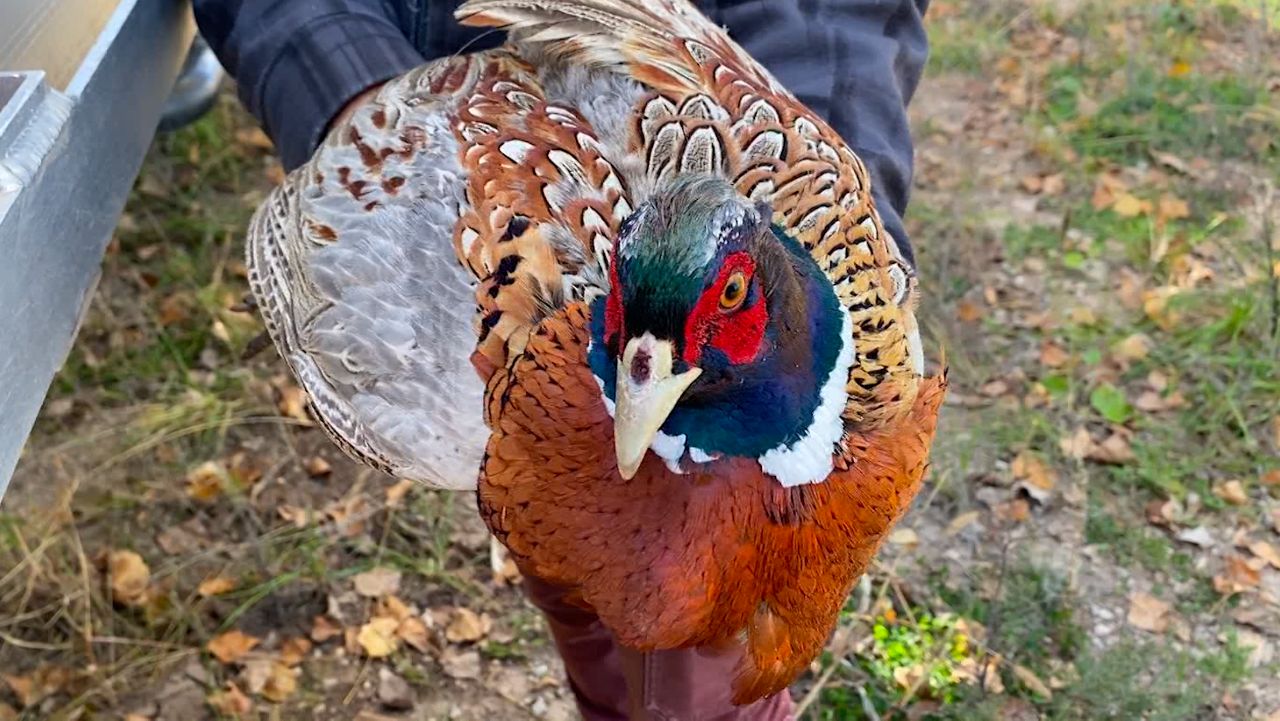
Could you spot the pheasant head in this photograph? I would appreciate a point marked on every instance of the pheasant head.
(720, 336)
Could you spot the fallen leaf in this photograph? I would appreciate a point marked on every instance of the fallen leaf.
(969, 312)
(216, 586)
(397, 492)
(1155, 303)
(1266, 552)
(393, 607)
(1031, 681)
(281, 683)
(460, 664)
(323, 629)
(230, 701)
(129, 576)
(255, 138)
(1077, 445)
(1163, 513)
(45, 681)
(1028, 466)
(1232, 492)
(377, 638)
(1114, 450)
(379, 581)
(1179, 68)
(206, 481)
(1053, 184)
(1133, 348)
(466, 626)
(174, 309)
(1053, 355)
(231, 646)
(1171, 208)
(293, 650)
(293, 403)
(1198, 536)
(1270, 479)
(1170, 161)
(1129, 206)
(1032, 183)
(1148, 613)
(413, 631)
(317, 467)
(994, 389)
(1238, 576)
(961, 522)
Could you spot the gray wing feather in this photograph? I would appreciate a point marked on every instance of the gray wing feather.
(353, 266)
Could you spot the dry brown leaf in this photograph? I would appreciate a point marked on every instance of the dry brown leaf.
(379, 581)
(1032, 681)
(1270, 479)
(961, 522)
(293, 403)
(1027, 466)
(413, 631)
(299, 517)
(994, 389)
(1053, 184)
(1115, 450)
(1171, 208)
(231, 646)
(1170, 161)
(1275, 431)
(129, 576)
(459, 663)
(317, 467)
(1032, 183)
(1155, 303)
(216, 586)
(1232, 492)
(230, 701)
(377, 638)
(392, 606)
(466, 626)
(904, 537)
(174, 309)
(1266, 552)
(397, 492)
(206, 481)
(1163, 513)
(32, 688)
(1238, 576)
(323, 628)
(1078, 444)
(969, 312)
(1129, 206)
(1148, 613)
(282, 682)
(293, 650)
(1133, 348)
(1053, 355)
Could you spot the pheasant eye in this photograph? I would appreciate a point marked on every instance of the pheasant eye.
(734, 292)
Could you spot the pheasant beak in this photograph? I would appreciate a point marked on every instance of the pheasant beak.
(646, 393)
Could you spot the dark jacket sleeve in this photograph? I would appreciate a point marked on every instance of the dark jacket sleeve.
(297, 62)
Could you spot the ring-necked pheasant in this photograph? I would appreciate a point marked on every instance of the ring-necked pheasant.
(700, 398)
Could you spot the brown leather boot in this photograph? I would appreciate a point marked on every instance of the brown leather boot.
(613, 683)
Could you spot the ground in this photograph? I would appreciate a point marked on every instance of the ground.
(1095, 216)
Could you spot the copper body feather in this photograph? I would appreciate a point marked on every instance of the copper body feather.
(428, 278)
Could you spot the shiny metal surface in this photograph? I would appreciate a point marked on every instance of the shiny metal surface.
(71, 143)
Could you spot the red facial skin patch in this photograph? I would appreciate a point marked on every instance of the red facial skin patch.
(613, 304)
(737, 333)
